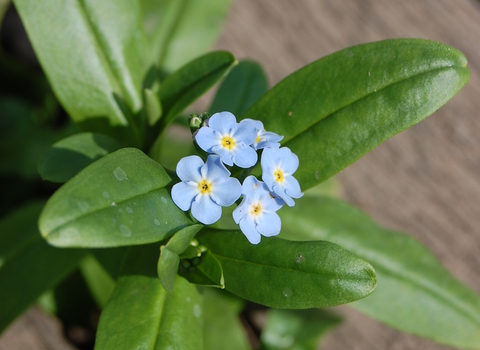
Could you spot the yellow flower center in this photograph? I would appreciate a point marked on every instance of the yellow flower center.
(278, 174)
(258, 139)
(204, 187)
(255, 209)
(228, 142)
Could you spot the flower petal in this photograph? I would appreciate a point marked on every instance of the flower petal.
(207, 138)
(270, 160)
(223, 122)
(269, 224)
(268, 139)
(226, 192)
(244, 156)
(245, 132)
(292, 187)
(225, 155)
(240, 211)
(205, 210)
(280, 191)
(289, 160)
(188, 168)
(257, 124)
(269, 178)
(273, 204)
(250, 187)
(214, 170)
(183, 194)
(248, 228)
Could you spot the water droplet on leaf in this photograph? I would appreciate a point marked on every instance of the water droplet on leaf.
(299, 258)
(287, 292)
(124, 230)
(156, 222)
(129, 210)
(120, 175)
(164, 200)
(197, 311)
(83, 206)
(105, 194)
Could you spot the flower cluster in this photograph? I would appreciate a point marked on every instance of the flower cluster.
(206, 187)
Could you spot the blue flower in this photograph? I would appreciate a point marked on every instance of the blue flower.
(229, 139)
(265, 138)
(257, 215)
(278, 166)
(205, 188)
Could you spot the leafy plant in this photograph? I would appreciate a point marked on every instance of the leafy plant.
(119, 69)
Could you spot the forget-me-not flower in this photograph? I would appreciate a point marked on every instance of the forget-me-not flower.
(265, 138)
(229, 139)
(205, 188)
(278, 166)
(257, 215)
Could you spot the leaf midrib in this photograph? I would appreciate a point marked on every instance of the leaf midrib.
(99, 210)
(286, 140)
(171, 32)
(108, 66)
(327, 274)
(417, 281)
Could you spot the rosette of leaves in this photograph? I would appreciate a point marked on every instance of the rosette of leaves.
(148, 265)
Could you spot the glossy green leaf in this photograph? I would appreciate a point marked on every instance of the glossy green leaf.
(181, 240)
(68, 156)
(222, 328)
(29, 266)
(99, 282)
(167, 266)
(415, 293)
(187, 84)
(153, 108)
(180, 30)
(118, 200)
(244, 85)
(204, 270)
(296, 329)
(140, 313)
(95, 55)
(340, 107)
(287, 274)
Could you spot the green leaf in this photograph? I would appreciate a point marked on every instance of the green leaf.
(181, 240)
(222, 328)
(204, 270)
(153, 108)
(243, 86)
(167, 266)
(68, 156)
(340, 107)
(187, 84)
(297, 329)
(99, 282)
(95, 55)
(29, 266)
(287, 274)
(180, 30)
(141, 315)
(415, 293)
(118, 200)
